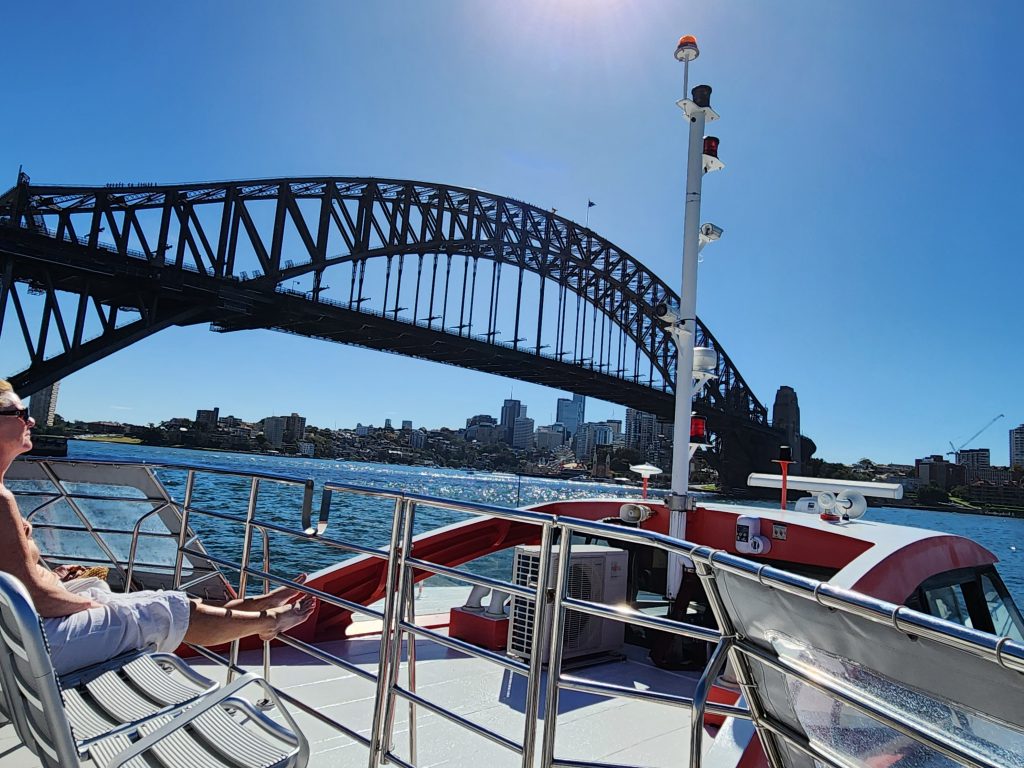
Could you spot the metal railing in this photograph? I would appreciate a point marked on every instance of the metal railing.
(551, 602)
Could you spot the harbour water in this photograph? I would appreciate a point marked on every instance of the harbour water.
(368, 522)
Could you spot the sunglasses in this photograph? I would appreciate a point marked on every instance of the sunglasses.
(21, 413)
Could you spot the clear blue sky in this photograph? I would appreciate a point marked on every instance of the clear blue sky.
(872, 196)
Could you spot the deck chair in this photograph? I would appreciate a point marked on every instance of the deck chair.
(138, 710)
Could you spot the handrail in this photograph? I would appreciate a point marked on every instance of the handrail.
(550, 606)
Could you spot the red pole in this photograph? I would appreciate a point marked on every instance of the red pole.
(645, 487)
(785, 478)
(784, 465)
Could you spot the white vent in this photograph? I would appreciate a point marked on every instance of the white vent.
(596, 574)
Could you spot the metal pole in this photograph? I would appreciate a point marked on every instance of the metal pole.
(250, 514)
(378, 741)
(533, 682)
(684, 342)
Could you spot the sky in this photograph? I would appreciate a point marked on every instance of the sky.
(871, 199)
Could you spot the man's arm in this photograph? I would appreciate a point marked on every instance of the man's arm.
(20, 557)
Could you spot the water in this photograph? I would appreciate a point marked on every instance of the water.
(368, 522)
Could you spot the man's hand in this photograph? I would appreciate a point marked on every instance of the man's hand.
(69, 572)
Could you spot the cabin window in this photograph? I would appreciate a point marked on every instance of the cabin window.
(948, 603)
(971, 597)
(1005, 616)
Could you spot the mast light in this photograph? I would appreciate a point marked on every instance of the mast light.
(687, 49)
(701, 95)
(698, 430)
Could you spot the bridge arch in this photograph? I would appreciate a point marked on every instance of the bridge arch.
(407, 266)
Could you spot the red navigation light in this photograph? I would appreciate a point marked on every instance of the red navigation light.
(686, 49)
(698, 430)
(711, 146)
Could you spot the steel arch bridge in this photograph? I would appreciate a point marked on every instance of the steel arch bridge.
(443, 273)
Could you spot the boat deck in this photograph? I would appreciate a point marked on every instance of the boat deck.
(590, 727)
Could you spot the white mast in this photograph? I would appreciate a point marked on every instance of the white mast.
(701, 156)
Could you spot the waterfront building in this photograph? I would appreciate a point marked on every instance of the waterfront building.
(1017, 447)
(991, 475)
(935, 470)
(294, 428)
(571, 413)
(306, 448)
(418, 439)
(974, 458)
(207, 418)
(522, 433)
(510, 411)
(363, 430)
(274, 429)
(42, 406)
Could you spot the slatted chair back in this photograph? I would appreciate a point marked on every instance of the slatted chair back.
(29, 682)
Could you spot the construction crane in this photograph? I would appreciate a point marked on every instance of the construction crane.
(956, 451)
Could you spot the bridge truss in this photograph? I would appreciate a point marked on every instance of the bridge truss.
(427, 270)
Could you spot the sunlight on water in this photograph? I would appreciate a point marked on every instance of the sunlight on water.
(367, 521)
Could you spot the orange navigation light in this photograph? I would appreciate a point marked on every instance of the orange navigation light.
(711, 146)
(687, 49)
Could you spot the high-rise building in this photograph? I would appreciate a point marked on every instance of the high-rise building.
(274, 429)
(294, 428)
(1017, 447)
(207, 418)
(42, 406)
(589, 436)
(641, 430)
(522, 433)
(387, 424)
(406, 425)
(510, 411)
(571, 413)
(975, 458)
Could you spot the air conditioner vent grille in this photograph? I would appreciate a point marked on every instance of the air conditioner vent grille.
(596, 574)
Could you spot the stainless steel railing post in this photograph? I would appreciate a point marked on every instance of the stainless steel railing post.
(400, 611)
(133, 547)
(700, 699)
(703, 562)
(410, 601)
(190, 481)
(555, 658)
(265, 702)
(377, 739)
(533, 681)
(243, 576)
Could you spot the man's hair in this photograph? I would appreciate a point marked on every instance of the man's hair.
(6, 390)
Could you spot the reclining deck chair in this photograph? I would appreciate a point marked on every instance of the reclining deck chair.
(139, 710)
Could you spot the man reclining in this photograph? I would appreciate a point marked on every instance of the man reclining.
(95, 625)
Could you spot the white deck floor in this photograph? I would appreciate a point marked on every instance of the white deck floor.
(589, 727)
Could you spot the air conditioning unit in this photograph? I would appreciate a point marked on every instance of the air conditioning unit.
(596, 574)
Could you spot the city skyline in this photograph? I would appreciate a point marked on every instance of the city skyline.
(829, 278)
